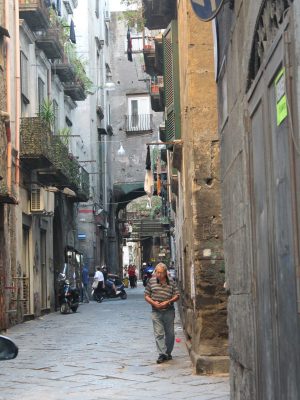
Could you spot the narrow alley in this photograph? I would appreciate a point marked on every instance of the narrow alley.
(104, 351)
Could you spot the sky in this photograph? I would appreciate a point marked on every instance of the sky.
(115, 5)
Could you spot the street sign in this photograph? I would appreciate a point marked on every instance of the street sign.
(206, 9)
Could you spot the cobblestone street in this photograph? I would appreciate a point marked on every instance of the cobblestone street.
(104, 351)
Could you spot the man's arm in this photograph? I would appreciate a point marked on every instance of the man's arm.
(163, 304)
(152, 302)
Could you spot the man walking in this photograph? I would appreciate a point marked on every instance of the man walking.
(100, 279)
(161, 292)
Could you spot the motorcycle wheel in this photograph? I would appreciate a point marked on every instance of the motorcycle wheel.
(123, 295)
(64, 308)
(74, 309)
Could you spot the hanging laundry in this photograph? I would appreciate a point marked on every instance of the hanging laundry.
(149, 179)
(72, 32)
(148, 158)
(149, 186)
(129, 46)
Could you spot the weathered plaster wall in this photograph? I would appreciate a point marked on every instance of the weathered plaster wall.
(235, 43)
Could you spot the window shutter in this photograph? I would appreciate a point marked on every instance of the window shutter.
(171, 79)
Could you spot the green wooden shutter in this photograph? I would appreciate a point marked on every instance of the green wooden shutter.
(171, 82)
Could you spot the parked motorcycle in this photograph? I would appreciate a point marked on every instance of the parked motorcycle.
(108, 292)
(68, 297)
(8, 350)
(147, 274)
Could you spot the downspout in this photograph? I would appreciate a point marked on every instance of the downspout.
(18, 94)
(5, 116)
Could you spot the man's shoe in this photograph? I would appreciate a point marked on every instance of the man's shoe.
(162, 358)
(169, 357)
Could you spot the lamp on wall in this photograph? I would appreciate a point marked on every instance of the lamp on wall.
(109, 84)
(121, 151)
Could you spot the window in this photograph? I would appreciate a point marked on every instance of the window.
(41, 93)
(24, 77)
(139, 117)
(134, 113)
(106, 35)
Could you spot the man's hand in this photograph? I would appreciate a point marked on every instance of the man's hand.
(162, 305)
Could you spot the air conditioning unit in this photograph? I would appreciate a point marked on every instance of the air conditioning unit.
(107, 16)
(38, 199)
(41, 200)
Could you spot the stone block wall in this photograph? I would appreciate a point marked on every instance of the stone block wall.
(204, 300)
(235, 45)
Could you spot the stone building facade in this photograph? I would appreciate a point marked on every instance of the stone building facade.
(258, 90)
(191, 137)
(42, 179)
(198, 220)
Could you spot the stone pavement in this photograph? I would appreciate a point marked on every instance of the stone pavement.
(104, 351)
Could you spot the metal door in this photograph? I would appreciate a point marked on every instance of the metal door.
(44, 271)
(273, 229)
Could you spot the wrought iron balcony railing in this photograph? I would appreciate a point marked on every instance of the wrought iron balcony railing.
(138, 122)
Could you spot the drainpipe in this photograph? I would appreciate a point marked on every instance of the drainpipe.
(5, 116)
(17, 93)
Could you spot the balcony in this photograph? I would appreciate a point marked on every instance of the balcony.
(162, 133)
(36, 146)
(44, 152)
(149, 59)
(5, 196)
(35, 13)
(64, 70)
(49, 41)
(138, 123)
(158, 13)
(153, 57)
(83, 185)
(75, 91)
(156, 95)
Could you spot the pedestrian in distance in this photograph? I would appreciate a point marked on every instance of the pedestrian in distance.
(84, 285)
(161, 293)
(132, 276)
(99, 277)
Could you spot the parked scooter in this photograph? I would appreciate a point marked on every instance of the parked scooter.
(147, 274)
(68, 297)
(108, 292)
